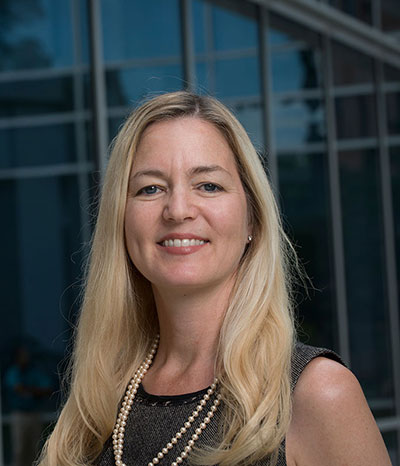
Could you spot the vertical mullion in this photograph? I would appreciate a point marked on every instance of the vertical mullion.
(100, 127)
(210, 48)
(335, 201)
(189, 71)
(266, 98)
(79, 122)
(389, 240)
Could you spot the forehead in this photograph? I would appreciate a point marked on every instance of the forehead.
(183, 141)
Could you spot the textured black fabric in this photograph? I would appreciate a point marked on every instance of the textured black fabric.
(154, 420)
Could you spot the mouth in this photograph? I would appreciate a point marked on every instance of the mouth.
(182, 242)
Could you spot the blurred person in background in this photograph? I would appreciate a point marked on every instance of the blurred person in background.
(27, 387)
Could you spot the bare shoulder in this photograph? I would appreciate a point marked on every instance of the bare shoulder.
(332, 424)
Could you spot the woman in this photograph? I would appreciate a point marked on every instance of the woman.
(189, 281)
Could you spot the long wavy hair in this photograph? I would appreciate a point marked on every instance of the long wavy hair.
(118, 319)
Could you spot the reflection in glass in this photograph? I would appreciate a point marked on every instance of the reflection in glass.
(128, 86)
(295, 56)
(37, 145)
(350, 66)
(365, 277)
(294, 70)
(35, 97)
(393, 112)
(304, 196)
(356, 117)
(298, 122)
(137, 29)
(283, 32)
(35, 34)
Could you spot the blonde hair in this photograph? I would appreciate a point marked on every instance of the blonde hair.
(118, 320)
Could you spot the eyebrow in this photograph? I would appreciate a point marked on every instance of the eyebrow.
(193, 171)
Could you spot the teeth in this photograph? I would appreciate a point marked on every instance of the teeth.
(181, 243)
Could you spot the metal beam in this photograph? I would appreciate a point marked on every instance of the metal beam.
(339, 26)
(100, 126)
(390, 242)
(266, 92)
(189, 71)
(336, 208)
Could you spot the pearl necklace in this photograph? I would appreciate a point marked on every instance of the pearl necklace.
(119, 429)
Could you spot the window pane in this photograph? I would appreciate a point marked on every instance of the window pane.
(35, 97)
(138, 29)
(393, 112)
(40, 247)
(390, 15)
(350, 66)
(37, 145)
(234, 30)
(391, 74)
(295, 56)
(303, 186)
(365, 277)
(356, 117)
(128, 86)
(239, 77)
(298, 122)
(38, 34)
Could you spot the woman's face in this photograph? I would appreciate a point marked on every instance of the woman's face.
(186, 220)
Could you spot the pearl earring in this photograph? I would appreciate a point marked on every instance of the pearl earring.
(249, 238)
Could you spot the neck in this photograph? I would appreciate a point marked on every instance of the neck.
(190, 323)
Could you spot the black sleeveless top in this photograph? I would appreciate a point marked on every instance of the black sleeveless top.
(154, 420)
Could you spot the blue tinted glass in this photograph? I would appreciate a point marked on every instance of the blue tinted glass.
(237, 77)
(250, 115)
(203, 79)
(37, 145)
(42, 256)
(198, 8)
(138, 29)
(35, 97)
(37, 34)
(126, 87)
(295, 70)
(84, 30)
(298, 123)
(233, 30)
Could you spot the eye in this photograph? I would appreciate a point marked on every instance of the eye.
(210, 187)
(149, 190)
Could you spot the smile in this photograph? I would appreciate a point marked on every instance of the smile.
(182, 243)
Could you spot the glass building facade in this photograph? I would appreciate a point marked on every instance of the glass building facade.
(316, 85)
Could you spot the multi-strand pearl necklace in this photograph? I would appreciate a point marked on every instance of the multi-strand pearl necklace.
(119, 429)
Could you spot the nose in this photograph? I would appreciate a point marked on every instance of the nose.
(179, 206)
